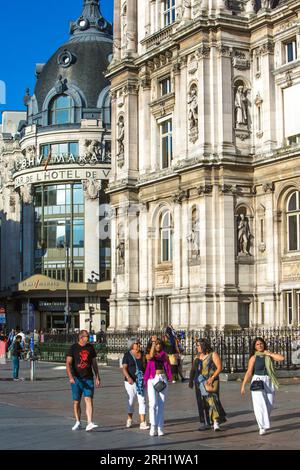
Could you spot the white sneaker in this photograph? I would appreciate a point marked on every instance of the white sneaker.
(77, 426)
(173, 381)
(153, 431)
(262, 432)
(144, 426)
(91, 426)
(129, 423)
(161, 432)
(216, 426)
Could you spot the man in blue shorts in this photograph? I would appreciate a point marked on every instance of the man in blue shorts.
(81, 362)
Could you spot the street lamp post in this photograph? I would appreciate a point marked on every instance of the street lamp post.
(67, 307)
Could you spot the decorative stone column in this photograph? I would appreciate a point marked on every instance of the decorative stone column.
(131, 27)
(91, 227)
(117, 30)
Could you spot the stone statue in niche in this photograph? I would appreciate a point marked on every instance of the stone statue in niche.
(241, 107)
(193, 107)
(120, 140)
(244, 235)
(193, 113)
(194, 239)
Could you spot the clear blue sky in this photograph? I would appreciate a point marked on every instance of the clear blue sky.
(31, 31)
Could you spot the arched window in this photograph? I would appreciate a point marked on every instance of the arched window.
(293, 221)
(60, 110)
(166, 237)
(106, 110)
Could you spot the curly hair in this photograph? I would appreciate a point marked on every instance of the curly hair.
(205, 345)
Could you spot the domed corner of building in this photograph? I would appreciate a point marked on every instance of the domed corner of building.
(56, 163)
(78, 67)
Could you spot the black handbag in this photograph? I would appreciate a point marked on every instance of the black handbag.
(160, 386)
(257, 386)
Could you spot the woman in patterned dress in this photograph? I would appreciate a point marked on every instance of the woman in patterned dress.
(205, 375)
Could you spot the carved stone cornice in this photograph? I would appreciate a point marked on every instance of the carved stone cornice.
(205, 189)
(240, 61)
(180, 197)
(223, 51)
(266, 48)
(230, 189)
(268, 187)
(145, 83)
(203, 51)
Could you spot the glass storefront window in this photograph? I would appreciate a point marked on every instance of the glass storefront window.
(64, 149)
(56, 225)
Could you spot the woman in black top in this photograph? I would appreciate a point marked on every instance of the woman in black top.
(261, 371)
(133, 371)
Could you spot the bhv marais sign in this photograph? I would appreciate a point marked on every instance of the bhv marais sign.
(59, 174)
(40, 282)
(62, 159)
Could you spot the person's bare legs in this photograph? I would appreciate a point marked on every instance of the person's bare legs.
(89, 409)
(77, 410)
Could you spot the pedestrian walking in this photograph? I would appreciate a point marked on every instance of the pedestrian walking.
(134, 364)
(261, 372)
(3, 347)
(81, 363)
(205, 376)
(157, 374)
(16, 354)
(170, 346)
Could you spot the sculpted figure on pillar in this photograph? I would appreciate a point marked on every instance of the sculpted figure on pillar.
(121, 136)
(240, 104)
(193, 106)
(244, 235)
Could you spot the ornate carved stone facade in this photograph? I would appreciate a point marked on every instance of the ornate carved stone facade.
(211, 150)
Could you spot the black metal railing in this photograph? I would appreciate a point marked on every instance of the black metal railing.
(234, 347)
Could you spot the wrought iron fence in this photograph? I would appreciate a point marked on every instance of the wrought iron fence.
(234, 347)
(56, 352)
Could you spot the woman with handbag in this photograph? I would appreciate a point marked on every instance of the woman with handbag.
(157, 374)
(205, 375)
(264, 382)
(133, 365)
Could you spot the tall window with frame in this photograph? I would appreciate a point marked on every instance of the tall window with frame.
(165, 86)
(289, 307)
(290, 50)
(166, 137)
(168, 12)
(166, 237)
(293, 221)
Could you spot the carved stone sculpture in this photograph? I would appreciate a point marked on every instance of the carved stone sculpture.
(241, 107)
(91, 188)
(244, 235)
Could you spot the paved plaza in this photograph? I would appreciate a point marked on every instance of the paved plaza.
(38, 416)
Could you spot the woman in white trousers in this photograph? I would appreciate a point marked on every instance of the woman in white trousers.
(133, 370)
(158, 372)
(263, 383)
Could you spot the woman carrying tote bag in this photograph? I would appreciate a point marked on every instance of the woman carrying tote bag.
(157, 374)
(205, 376)
(264, 382)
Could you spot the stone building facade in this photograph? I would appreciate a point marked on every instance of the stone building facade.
(205, 182)
(55, 165)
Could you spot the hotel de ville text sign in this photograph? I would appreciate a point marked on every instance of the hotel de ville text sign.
(59, 174)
